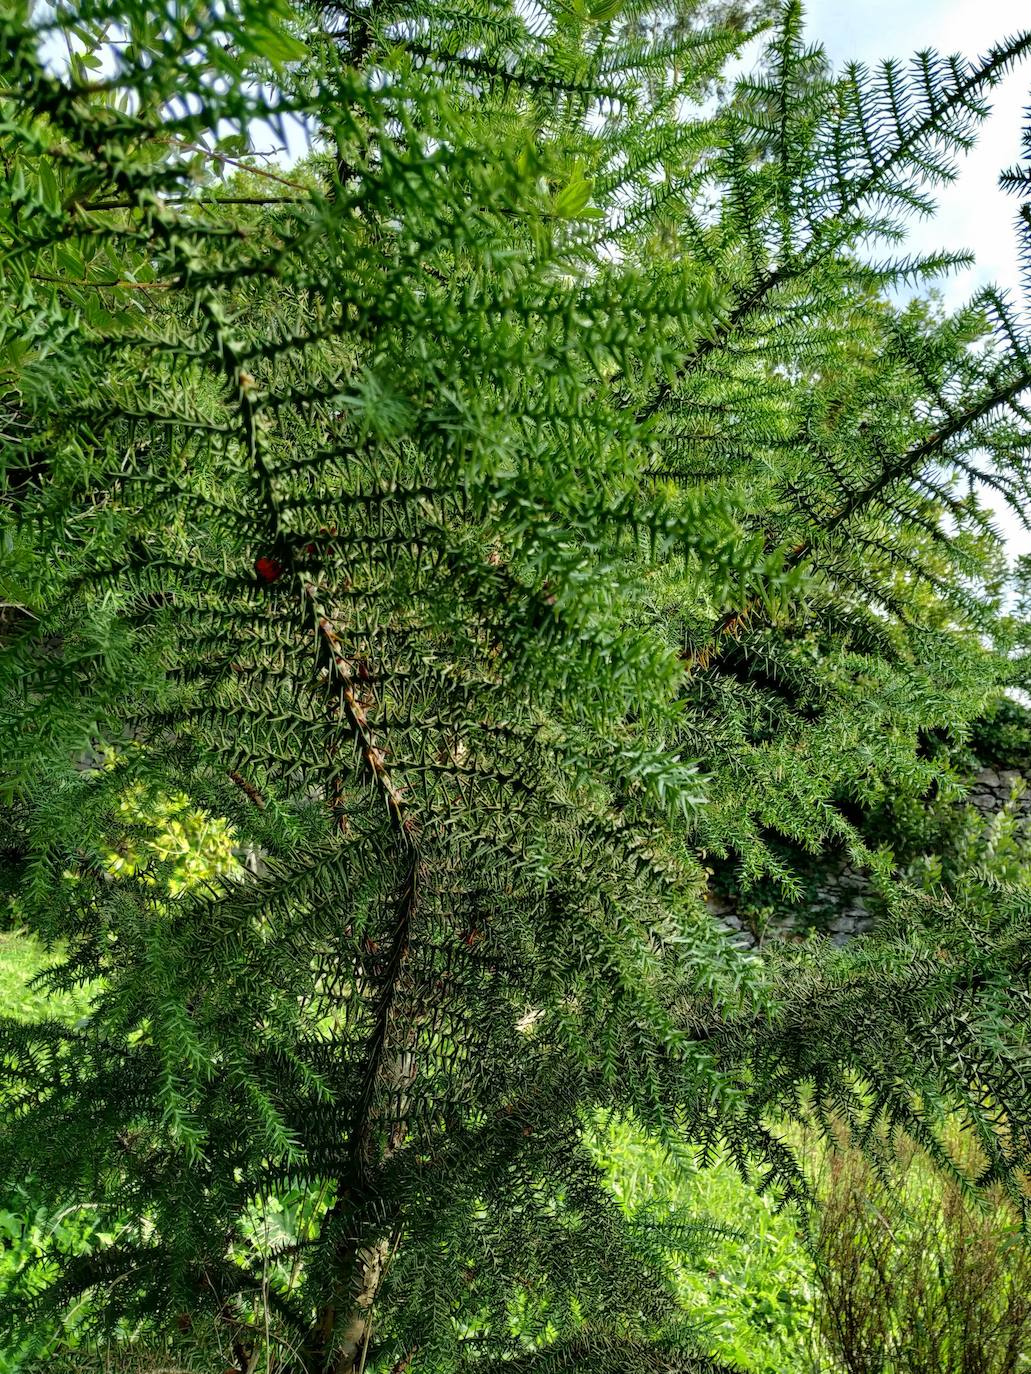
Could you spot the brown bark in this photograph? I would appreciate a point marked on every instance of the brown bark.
(343, 1329)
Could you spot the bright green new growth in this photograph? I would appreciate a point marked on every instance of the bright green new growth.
(526, 496)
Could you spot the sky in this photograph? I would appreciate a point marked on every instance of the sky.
(974, 214)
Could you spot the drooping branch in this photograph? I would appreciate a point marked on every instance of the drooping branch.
(906, 466)
(836, 228)
(342, 674)
(357, 1269)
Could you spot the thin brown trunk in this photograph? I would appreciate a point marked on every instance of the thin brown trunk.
(359, 1268)
(343, 1327)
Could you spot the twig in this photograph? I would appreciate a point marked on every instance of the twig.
(108, 285)
(97, 205)
(248, 789)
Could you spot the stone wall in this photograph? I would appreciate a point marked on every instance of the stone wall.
(839, 912)
(838, 908)
(992, 790)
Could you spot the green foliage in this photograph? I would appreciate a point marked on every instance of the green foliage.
(913, 1277)
(522, 500)
(180, 847)
(900, 1273)
(747, 1279)
(190, 848)
(29, 1231)
(22, 961)
(30, 1235)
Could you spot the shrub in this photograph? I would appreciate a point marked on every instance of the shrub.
(914, 1276)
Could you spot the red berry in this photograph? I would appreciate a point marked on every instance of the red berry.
(268, 569)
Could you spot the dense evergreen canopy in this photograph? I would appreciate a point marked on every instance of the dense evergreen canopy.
(528, 495)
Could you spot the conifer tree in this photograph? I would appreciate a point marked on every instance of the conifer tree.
(525, 495)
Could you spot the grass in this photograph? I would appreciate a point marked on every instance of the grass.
(916, 1277)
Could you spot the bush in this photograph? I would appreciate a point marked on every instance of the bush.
(913, 1277)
